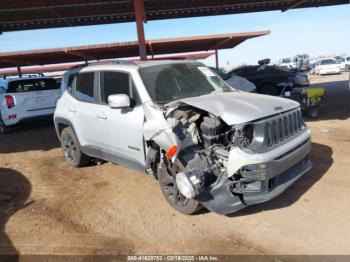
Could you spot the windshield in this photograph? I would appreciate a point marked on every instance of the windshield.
(286, 60)
(328, 62)
(168, 83)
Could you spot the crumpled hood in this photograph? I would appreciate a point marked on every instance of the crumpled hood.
(239, 107)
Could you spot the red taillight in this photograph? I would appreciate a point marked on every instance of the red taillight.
(10, 102)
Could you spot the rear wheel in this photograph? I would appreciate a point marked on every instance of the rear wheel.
(71, 149)
(166, 177)
(3, 128)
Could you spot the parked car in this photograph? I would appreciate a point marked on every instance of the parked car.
(236, 82)
(345, 63)
(327, 66)
(338, 59)
(267, 79)
(287, 62)
(178, 121)
(26, 98)
(301, 61)
(240, 83)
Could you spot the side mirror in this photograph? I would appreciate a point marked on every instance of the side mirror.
(119, 101)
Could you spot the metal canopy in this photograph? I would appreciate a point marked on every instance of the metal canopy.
(65, 67)
(123, 50)
(34, 14)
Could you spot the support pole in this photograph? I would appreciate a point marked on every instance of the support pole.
(217, 58)
(139, 15)
(19, 71)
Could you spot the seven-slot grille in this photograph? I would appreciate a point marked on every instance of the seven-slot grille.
(283, 127)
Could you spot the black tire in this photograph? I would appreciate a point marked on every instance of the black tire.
(173, 196)
(269, 89)
(3, 128)
(72, 150)
(313, 112)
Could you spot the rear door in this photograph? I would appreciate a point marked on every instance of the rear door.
(34, 96)
(82, 111)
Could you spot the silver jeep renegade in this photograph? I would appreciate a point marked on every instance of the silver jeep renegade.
(205, 142)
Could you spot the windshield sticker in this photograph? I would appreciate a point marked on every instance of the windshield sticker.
(206, 71)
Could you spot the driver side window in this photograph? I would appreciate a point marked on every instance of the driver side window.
(117, 83)
(114, 83)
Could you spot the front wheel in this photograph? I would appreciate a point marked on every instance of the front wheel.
(71, 149)
(171, 193)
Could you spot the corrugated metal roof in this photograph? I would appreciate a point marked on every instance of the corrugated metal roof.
(32, 14)
(65, 67)
(125, 49)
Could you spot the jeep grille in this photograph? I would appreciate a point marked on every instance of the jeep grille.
(283, 127)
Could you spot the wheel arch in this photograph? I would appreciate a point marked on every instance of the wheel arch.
(61, 123)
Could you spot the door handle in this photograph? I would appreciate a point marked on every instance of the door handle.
(101, 116)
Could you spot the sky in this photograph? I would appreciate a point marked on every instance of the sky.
(314, 31)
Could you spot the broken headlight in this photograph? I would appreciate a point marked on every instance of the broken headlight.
(245, 135)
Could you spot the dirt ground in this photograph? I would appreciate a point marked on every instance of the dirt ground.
(47, 207)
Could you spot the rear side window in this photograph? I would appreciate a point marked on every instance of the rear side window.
(70, 82)
(31, 85)
(84, 87)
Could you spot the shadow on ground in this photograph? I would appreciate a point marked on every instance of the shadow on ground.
(320, 154)
(336, 100)
(38, 135)
(14, 192)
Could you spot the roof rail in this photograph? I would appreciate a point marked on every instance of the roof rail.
(113, 62)
(107, 62)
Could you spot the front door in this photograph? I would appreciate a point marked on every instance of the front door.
(123, 127)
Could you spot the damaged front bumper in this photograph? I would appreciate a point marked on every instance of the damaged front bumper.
(279, 173)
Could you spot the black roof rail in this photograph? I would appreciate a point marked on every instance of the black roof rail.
(107, 62)
(113, 62)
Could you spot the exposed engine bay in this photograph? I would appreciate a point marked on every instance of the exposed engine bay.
(203, 150)
(198, 156)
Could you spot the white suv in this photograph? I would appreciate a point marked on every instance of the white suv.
(327, 66)
(23, 99)
(180, 122)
